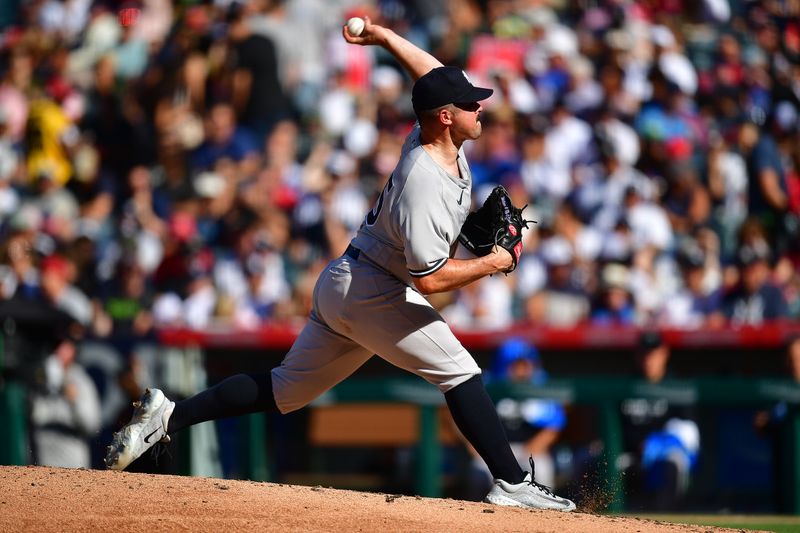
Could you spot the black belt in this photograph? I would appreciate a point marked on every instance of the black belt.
(352, 252)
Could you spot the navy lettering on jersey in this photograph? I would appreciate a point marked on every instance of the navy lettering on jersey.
(372, 216)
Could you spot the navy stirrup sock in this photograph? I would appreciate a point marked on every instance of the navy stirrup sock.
(237, 395)
(476, 418)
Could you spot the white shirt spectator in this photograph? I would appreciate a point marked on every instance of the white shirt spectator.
(541, 178)
(587, 94)
(603, 195)
(68, 17)
(273, 286)
(168, 310)
(652, 282)
(198, 307)
(485, 305)
(650, 226)
(76, 304)
(348, 206)
(567, 141)
(530, 275)
(625, 141)
(588, 244)
(337, 111)
(734, 176)
(678, 312)
(9, 202)
(64, 415)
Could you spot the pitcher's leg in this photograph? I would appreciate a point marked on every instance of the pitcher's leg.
(319, 359)
(237, 395)
(476, 417)
(304, 374)
(412, 335)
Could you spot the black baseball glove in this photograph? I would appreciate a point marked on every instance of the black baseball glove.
(497, 222)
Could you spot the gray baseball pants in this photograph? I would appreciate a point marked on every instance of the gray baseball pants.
(360, 310)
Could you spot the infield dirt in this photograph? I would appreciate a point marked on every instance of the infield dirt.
(45, 499)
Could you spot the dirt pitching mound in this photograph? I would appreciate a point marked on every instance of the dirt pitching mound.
(45, 499)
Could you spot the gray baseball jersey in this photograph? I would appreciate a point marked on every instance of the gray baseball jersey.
(368, 305)
(417, 218)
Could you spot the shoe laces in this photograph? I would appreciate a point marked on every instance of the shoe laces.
(159, 450)
(533, 483)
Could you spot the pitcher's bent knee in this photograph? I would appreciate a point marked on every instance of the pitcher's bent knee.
(291, 394)
(454, 381)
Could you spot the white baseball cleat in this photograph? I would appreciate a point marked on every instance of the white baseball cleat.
(148, 425)
(528, 494)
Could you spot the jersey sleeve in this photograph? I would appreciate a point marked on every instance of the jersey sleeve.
(423, 222)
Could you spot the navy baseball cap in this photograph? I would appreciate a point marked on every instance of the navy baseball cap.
(445, 85)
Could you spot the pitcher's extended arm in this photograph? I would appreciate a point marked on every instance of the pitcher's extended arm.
(415, 60)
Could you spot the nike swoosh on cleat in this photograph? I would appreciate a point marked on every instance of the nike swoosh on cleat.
(147, 438)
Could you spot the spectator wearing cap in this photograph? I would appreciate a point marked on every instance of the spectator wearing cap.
(131, 52)
(612, 78)
(686, 201)
(755, 300)
(513, 91)
(693, 303)
(586, 240)
(600, 193)
(661, 438)
(213, 197)
(533, 425)
(495, 156)
(65, 410)
(267, 288)
(193, 301)
(585, 95)
(225, 139)
(767, 170)
(614, 305)
(651, 280)
(251, 277)
(727, 186)
(562, 301)
(484, 305)
(569, 140)
(391, 114)
(180, 245)
(344, 202)
(545, 184)
(57, 273)
(648, 221)
(666, 134)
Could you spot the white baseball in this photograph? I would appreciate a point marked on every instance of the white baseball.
(355, 26)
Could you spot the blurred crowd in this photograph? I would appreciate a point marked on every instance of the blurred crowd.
(196, 163)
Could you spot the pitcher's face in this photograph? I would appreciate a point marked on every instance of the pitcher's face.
(467, 121)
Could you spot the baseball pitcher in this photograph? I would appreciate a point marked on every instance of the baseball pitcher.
(371, 300)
